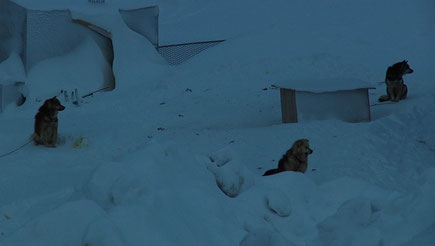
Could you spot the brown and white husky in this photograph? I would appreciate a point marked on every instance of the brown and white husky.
(46, 123)
(295, 159)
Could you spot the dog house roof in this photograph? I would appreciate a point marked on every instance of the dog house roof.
(324, 85)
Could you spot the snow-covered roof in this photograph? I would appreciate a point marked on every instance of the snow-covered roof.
(84, 6)
(324, 85)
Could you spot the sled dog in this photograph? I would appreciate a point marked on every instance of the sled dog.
(46, 123)
(295, 159)
(396, 88)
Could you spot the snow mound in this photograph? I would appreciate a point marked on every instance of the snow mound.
(103, 232)
(223, 156)
(84, 68)
(12, 69)
(231, 176)
(394, 219)
(260, 237)
(65, 225)
(350, 225)
(106, 181)
(279, 203)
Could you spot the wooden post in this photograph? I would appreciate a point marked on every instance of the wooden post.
(1, 98)
(368, 104)
(288, 106)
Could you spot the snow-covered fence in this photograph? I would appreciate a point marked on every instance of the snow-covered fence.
(29, 36)
(306, 100)
(12, 52)
(176, 54)
(12, 29)
(53, 33)
(144, 21)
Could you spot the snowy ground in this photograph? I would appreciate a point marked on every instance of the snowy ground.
(143, 175)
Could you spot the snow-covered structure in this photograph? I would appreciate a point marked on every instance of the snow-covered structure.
(344, 99)
(37, 36)
(29, 37)
(53, 33)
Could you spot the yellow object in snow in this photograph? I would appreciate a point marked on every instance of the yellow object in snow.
(82, 142)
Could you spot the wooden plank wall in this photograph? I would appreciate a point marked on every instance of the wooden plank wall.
(288, 106)
(369, 117)
(1, 98)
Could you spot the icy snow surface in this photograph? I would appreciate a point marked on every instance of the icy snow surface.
(175, 154)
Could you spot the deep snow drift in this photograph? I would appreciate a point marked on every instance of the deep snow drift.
(135, 165)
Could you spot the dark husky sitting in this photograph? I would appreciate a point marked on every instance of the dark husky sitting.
(46, 123)
(396, 88)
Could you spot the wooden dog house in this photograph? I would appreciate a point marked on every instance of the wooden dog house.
(320, 99)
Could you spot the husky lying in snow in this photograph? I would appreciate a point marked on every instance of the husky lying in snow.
(46, 123)
(295, 159)
(396, 88)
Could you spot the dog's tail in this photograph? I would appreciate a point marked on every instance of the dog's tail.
(384, 98)
(271, 172)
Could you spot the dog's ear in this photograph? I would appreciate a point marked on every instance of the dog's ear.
(296, 146)
(301, 142)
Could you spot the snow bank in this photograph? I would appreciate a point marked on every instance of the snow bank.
(65, 225)
(146, 176)
(264, 237)
(350, 225)
(231, 176)
(84, 68)
(388, 220)
(12, 69)
(102, 232)
(161, 194)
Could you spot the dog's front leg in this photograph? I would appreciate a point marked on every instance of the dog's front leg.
(55, 136)
(52, 138)
(398, 93)
(392, 90)
(51, 143)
